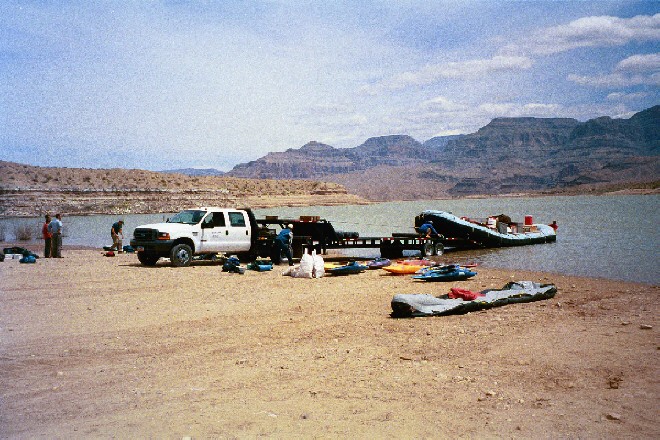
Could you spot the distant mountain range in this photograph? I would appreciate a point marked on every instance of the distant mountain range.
(196, 172)
(506, 156)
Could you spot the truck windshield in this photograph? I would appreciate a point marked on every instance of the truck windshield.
(189, 217)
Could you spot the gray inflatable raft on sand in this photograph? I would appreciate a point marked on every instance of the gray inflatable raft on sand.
(412, 305)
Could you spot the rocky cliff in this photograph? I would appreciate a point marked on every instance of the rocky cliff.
(315, 160)
(507, 155)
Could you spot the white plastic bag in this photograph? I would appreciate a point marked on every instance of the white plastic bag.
(318, 270)
(306, 267)
(289, 271)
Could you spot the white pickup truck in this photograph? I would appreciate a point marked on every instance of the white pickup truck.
(202, 231)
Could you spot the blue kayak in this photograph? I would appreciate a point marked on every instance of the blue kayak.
(451, 272)
(347, 269)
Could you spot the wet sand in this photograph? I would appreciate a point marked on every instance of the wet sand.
(93, 346)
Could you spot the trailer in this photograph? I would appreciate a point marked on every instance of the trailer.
(313, 233)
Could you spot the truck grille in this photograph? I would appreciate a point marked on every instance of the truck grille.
(145, 234)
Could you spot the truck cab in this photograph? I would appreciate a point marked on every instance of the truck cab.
(197, 231)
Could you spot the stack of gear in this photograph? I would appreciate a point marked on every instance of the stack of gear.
(233, 264)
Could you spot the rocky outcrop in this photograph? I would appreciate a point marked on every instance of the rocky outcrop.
(315, 160)
(507, 155)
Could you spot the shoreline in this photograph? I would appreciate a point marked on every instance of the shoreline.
(120, 350)
(448, 258)
(34, 202)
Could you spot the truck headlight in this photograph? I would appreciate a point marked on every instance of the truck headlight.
(163, 236)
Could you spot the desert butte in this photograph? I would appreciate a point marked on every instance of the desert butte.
(93, 346)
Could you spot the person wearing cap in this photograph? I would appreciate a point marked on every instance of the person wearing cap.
(117, 235)
(428, 230)
(283, 242)
(55, 229)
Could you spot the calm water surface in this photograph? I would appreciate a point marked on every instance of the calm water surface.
(605, 236)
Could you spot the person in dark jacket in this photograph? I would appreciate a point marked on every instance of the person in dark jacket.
(117, 235)
(428, 230)
(283, 242)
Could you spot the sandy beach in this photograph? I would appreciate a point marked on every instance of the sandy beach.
(102, 347)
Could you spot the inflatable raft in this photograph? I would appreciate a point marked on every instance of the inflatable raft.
(461, 232)
(413, 305)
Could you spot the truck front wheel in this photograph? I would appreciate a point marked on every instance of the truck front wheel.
(181, 255)
(147, 259)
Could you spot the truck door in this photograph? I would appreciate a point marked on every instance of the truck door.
(240, 238)
(214, 232)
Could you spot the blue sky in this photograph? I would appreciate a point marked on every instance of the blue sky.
(172, 84)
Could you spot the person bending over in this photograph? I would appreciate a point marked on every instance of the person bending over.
(283, 242)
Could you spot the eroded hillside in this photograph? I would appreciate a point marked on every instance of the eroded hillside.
(30, 190)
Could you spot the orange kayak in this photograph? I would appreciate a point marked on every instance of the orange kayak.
(403, 269)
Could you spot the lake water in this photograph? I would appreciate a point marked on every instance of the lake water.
(613, 237)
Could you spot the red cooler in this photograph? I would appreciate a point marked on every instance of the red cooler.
(529, 221)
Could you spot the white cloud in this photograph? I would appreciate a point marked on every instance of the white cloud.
(616, 80)
(640, 64)
(601, 31)
(619, 96)
(443, 104)
(514, 110)
(457, 70)
(635, 70)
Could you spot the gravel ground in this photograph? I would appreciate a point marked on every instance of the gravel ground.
(93, 346)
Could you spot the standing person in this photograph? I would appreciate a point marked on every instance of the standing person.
(283, 242)
(48, 237)
(554, 225)
(55, 228)
(117, 235)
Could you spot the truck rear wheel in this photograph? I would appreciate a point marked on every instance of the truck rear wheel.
(428, 249)
(147, 259)
(438, 249)
(181, 255)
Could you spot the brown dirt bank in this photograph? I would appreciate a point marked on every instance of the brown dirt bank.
(102, 347)
(27, 190)
(36, 203)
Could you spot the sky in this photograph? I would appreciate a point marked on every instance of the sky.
(162, 85)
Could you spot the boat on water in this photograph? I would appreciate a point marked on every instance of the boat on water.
(346, 269)
(463, 232)
(451, 272)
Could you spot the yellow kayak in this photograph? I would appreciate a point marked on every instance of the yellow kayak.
(403, 269)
